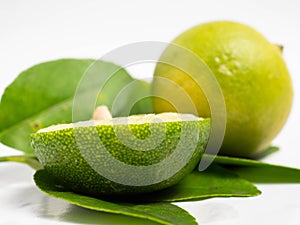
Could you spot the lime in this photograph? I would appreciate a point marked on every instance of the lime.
(252, 75)
(125, 155)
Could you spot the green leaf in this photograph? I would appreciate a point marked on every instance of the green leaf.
(26, 159)
(142, 90)
(163, 213)
(270, 150)
(257, 171)
(213, 182)
(44, 95)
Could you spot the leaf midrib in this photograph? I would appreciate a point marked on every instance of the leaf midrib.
(31, 117)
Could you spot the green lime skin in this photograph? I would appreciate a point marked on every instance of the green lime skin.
(252, 75)
(74, 156)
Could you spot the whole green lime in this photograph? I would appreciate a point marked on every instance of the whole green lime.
(252, 75)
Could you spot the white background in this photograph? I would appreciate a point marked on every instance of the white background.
(34, 31)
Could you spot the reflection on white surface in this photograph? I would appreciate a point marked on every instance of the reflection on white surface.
(278, 204)
(21, 203)
(216, 212)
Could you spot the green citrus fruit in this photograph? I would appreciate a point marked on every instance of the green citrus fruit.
(134, 154)
(252, 75)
